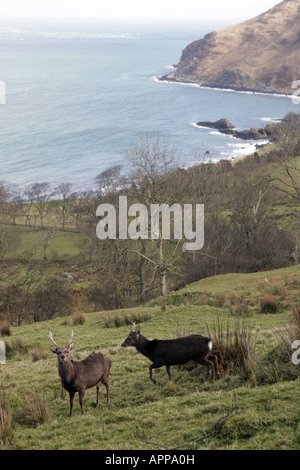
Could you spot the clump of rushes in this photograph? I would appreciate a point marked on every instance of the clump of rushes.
(235, 348)
(78, 319)
(34, 412)
(6, 421)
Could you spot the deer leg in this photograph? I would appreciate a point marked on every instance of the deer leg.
(107, 392)
(104, 380)
(153, 366)
(97, 399)
(72, 395)
(214, 359)
(81, 397)
(208, 364)
(169, 373)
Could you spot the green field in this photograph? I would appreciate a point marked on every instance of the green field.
(260, 410)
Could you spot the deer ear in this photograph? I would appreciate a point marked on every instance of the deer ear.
(138, 330)
(54, 350)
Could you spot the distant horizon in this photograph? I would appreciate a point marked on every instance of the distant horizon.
(119, 20)
(134, 10)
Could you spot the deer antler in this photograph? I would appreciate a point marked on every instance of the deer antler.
(51, 337)
(70, 341)
(133, 326)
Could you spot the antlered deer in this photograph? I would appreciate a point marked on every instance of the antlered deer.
(78, 376)
(173, 351)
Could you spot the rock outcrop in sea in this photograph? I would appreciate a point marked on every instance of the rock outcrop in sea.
(269, 132)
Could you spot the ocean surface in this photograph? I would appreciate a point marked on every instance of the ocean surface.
(79, 95)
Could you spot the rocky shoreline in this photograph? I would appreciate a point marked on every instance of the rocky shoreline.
(269, 132)
(228, 87)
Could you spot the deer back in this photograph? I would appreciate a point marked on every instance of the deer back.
(91, 370)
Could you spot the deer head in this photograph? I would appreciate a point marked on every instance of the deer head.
(133, 337)
(63, 353)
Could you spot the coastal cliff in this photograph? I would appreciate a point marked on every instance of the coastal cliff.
(261, 54)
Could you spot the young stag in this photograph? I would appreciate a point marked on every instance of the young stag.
(173, 351)
(78, 376)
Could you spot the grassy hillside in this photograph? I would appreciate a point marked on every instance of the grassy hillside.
(233, 290)
(260, 409)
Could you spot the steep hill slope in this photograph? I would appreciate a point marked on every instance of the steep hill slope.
(261, 54)
(263, 407)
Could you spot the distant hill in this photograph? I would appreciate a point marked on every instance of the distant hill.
(261, 54)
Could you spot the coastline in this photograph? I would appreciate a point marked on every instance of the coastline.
(165, 79)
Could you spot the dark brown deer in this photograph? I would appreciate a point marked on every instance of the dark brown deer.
(174, 351)
(78, 376)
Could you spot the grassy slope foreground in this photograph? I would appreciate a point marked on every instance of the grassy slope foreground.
(34, 408)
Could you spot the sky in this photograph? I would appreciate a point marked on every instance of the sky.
(134, 9)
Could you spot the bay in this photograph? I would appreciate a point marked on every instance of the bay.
(78, 95)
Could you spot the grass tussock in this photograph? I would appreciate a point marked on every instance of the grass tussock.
(235, 348)
(116, 321)
(254, 355)
(35, 412)
(15, 348)
(37, 354)
(6, 420)
(270, 304)
(78, 319)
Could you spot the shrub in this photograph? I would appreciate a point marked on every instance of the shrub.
(278, 291)
(51, 301)
(5, 329)
(78, 319)
(242, 308)
(269, 304)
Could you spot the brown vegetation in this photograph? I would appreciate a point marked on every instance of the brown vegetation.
(244, 231)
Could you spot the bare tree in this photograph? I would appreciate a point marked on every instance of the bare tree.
(109, 180)
(64, 204)
(28, 201)
(9, 241)
(14, 202)
(44, 239)
(83, 208)
(3, 194)
(289, 135)
(42, 195)
(152, 163)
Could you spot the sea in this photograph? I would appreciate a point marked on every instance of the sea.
(80, 94)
